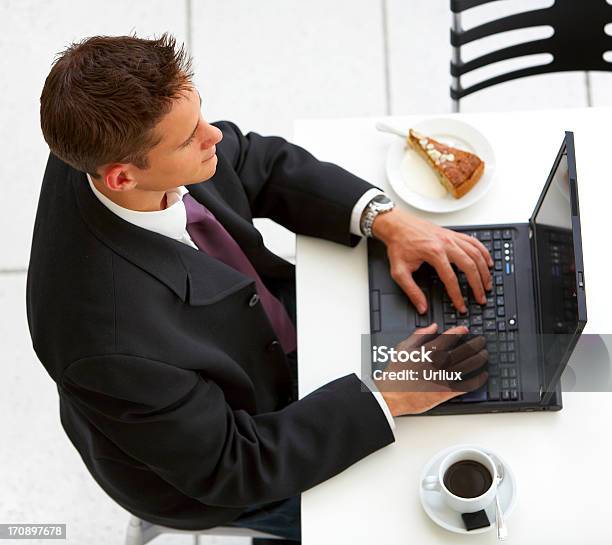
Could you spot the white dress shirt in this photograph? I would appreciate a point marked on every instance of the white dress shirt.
(172, 222)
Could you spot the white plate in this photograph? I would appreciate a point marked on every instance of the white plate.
(414, 181)
(439, 512)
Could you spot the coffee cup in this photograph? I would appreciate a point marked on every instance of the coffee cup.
(466, 479)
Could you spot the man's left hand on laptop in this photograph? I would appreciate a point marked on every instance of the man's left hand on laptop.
(449, 365)
(411, 241)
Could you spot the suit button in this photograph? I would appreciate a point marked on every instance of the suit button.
(272, 346)
(254, 300)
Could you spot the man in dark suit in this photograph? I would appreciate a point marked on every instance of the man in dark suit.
(166, 323)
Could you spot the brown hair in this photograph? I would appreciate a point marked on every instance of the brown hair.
(105, 94)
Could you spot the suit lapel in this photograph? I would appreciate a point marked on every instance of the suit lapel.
(192, 275)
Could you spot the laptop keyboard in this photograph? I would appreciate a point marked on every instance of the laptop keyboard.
(492, 320)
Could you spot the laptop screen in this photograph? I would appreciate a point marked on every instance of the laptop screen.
(554, 223)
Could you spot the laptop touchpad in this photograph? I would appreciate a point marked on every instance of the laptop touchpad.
(397, 313)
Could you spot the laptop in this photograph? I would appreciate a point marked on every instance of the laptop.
(534, 314)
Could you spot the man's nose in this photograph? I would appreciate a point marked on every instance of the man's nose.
(213, 137)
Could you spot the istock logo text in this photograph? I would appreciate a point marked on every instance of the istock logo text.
(383, 354)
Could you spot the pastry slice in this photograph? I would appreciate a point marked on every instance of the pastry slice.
(457, 170)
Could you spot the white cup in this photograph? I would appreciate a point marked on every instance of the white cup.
(458, 503)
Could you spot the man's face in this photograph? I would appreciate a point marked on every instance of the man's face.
(186, 152)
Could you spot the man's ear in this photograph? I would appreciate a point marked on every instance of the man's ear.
(117, 178)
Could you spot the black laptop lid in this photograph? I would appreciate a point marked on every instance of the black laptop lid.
(559, 273)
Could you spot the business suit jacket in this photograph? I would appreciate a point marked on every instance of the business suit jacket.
(170, 384)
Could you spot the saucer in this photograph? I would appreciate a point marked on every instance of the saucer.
(436, 508)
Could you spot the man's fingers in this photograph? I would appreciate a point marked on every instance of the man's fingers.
(456, 330)
(483, 269)
(449, 279)
(431, 328)
(469, 365)
(469, 267)
(479, 246)
(404, 278)
(418, 337)
(472, 384)
(425, 334)
(467, 349)
(448, 339)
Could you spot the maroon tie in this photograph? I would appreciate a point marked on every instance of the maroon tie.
(211, 237)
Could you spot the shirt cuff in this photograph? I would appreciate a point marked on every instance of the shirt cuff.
(383, 405)
(359, 208)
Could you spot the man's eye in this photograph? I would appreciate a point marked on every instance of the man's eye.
(189, 141)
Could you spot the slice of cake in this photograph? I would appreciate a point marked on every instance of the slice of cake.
(457, 170)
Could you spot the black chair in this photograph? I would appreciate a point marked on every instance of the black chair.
(578, 42)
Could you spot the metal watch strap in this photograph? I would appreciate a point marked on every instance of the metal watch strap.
(371, 211)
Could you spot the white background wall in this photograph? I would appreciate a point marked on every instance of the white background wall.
(260, 64)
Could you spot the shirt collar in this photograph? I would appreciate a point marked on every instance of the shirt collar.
(170, 222)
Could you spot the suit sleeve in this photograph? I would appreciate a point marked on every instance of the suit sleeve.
(286, 183)
(179, 425)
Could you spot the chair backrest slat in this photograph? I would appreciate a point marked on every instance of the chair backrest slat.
(512, 52)
(508, 76)
(526, 19)
(457, 6)
(577, 44)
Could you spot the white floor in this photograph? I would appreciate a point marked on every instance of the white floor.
(262, 65)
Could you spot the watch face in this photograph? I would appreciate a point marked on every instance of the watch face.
(382, 199)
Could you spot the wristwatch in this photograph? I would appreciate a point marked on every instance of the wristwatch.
(378, 205)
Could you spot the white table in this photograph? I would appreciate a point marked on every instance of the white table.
(376, 500)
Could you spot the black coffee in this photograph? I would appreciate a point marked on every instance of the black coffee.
(468, 479)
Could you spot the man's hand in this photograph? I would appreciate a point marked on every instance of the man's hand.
(412, 241)
(421, 395)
